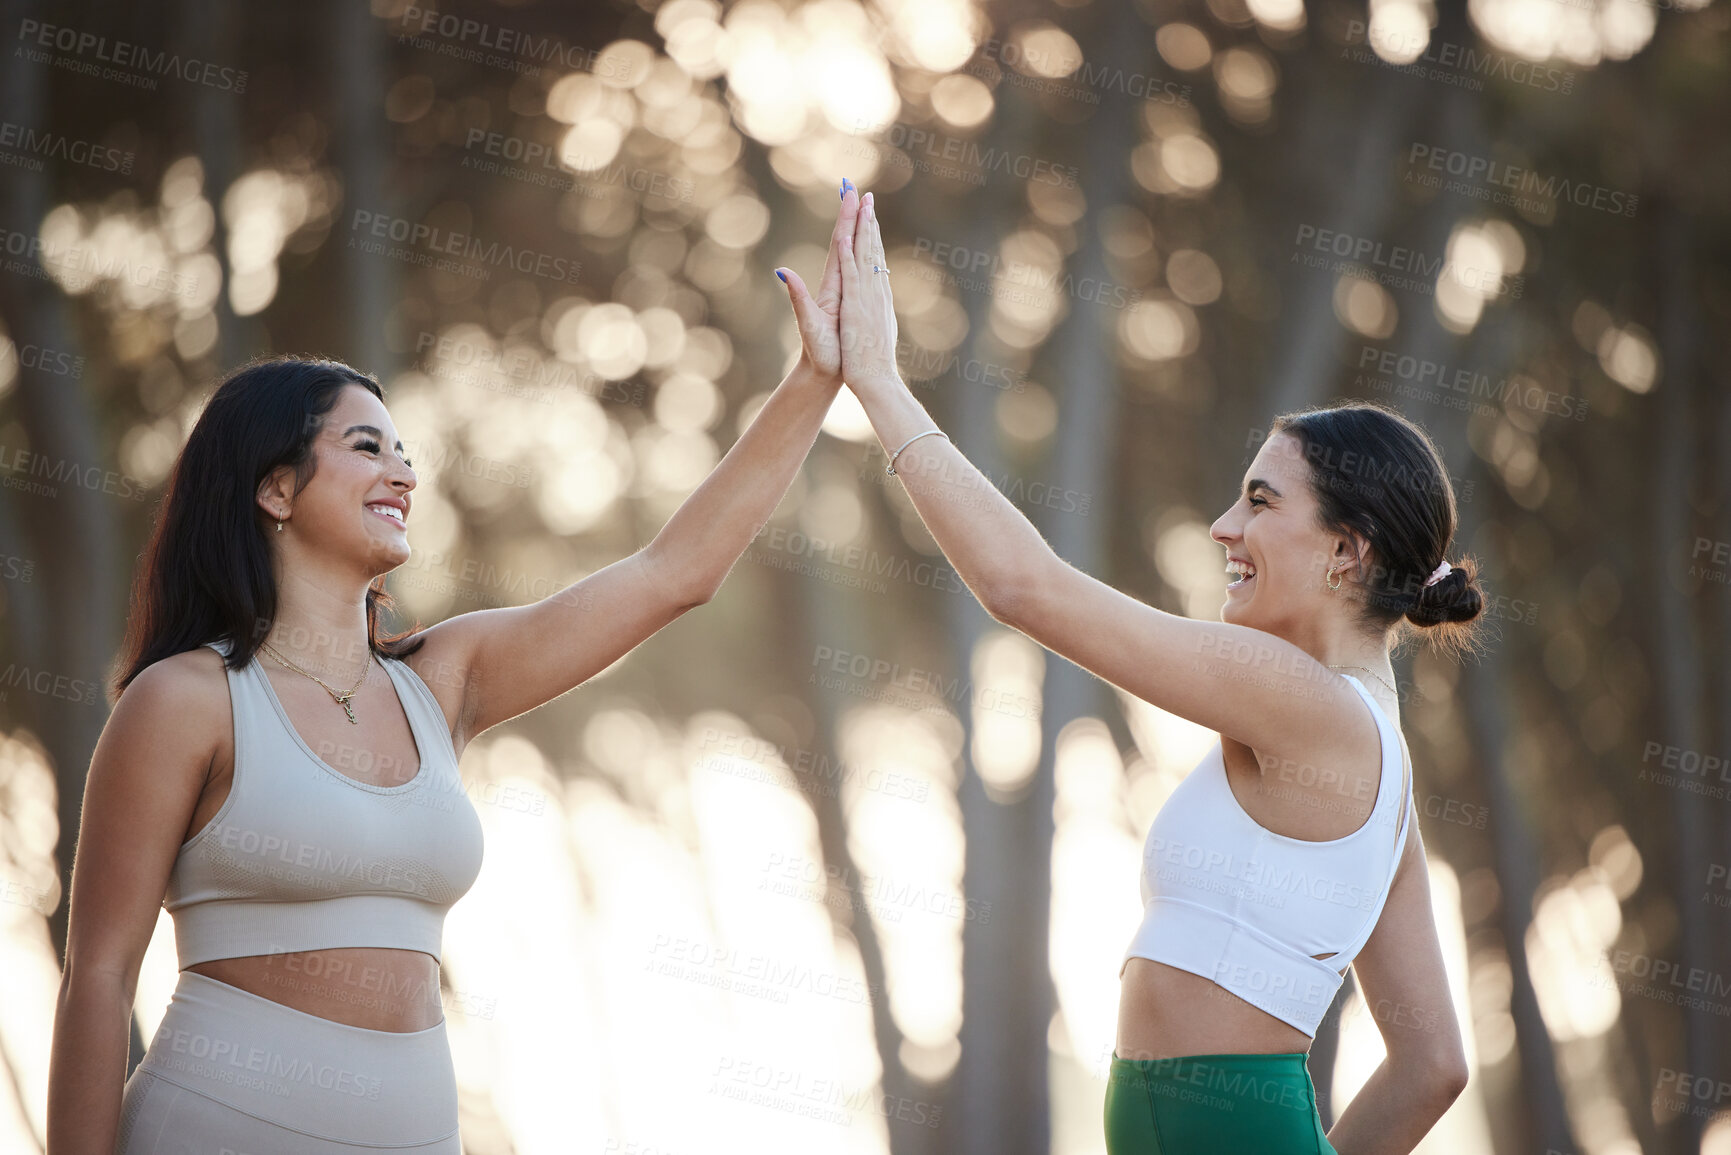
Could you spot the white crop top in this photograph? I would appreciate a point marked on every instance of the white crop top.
(304, 857)
(1228, 899)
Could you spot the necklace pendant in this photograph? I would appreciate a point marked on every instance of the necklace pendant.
(348, 709)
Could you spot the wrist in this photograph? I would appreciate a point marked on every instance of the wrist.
(807, 375)
(882, 384)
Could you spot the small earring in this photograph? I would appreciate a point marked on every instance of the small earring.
(279, 525)
(1333, 585)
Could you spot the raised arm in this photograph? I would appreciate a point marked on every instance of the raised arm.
(1405, 985)
(488, 666)
(1245, 683)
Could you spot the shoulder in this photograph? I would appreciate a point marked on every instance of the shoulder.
(188, 689)
(173, 716)
(198, 668)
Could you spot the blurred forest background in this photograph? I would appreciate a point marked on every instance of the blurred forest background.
(836, 863)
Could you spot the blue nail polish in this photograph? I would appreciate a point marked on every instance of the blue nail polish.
(845, 185)
(782, 275)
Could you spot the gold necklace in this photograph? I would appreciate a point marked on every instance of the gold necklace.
(1373, 674)
(342, 699)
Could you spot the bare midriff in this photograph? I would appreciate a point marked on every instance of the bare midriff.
(1164, 1012)
(379, 988)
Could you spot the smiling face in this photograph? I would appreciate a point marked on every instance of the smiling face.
(1278, 556)
(356, 507)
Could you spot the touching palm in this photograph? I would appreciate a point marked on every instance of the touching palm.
(819, 315)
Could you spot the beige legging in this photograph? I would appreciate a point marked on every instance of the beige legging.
(229, 1070)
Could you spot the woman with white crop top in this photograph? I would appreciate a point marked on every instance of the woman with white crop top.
(1291, 851)
(282, 777)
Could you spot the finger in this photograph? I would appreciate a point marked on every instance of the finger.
(829, 285)
(847, 266)
(804, 308)
(874, 246)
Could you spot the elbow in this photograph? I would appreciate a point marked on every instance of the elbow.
(1009, 595)
(700, 592)
(1003, 601)
(1447, 1075)
(689, 598)
(679, 587)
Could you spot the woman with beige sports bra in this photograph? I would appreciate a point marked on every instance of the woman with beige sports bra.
(1291, 851)
(282, 778)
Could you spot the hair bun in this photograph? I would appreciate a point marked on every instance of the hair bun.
(1454, 597)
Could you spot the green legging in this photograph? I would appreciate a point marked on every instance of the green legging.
(1213, 1105)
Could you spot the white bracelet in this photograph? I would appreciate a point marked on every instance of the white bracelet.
(891, 467)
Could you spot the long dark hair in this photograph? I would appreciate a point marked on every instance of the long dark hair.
(206, 574)
(1379, 476)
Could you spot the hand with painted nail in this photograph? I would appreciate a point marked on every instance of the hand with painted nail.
(819, 315)
(868, 314)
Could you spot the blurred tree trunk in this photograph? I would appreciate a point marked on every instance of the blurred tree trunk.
(1677, 688)
(364, 148)
(998, 1093)
(1338, 168)
(1484, 687)
(208, 28)
(823, 613)
(71, 628)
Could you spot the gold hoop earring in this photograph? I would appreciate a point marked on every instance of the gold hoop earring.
(1334, 585)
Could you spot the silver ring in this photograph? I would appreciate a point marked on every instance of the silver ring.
(879, 269)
